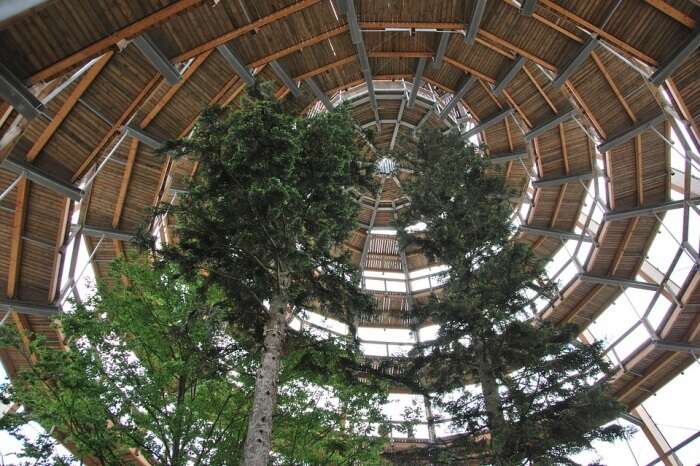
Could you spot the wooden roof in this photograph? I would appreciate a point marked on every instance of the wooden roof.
(310, 38)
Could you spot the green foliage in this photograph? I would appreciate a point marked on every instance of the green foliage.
(272, 196)
(539, 399)
(151, 365)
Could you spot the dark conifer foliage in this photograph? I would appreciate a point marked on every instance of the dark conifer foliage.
(271, 200)
(540, 394)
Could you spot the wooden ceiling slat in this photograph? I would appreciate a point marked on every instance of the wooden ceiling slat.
(564, 150)
(582, 103)
(264, 21)
(593, 28)
(18, 221)
(101, 45)
(172, 90)
(140, 98)
(672, 12)
(615, 89)
(68, 105)
(124, 187)
(540, 90)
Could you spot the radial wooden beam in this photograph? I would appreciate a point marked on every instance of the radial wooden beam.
(549, 124)
(306, 43)
(172, 90)
(583, 302)
(579, 21)
(635, 384)
(608, 78)
(68, 105)
(622, 247)
(484, 37)
(102, 45)
(18, 221)
(564, 149)
(671, 12)
(540, 90)
(124, 186)
(255, 25)
(112, 133)
(330, 66)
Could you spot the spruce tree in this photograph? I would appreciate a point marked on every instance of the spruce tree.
(540, 395)
(271, 200)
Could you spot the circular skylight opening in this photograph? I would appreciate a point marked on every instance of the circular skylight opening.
(386, 166)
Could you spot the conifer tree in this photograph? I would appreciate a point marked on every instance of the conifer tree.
(539, 395)
(269, 204)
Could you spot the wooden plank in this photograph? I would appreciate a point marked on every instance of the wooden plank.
(517, 108)
(328, 67)
(655, 369)
(678, 99)
(18, 222)
(101, 45)
(540, 90)
(400, 54)
(584, 301)
(631, 226)
(124, 187)
(529, 55)
(557, 207)
(264, 21)
(172, 90)
(564, 149)
(468, 69)
(509, 166)
(611, 83)
(68, 105)
(140, 98)
(491, 95)
(672, 12)
(639, 170)
(296, 47)
(59, 255)
(582, 103)
(593, 28)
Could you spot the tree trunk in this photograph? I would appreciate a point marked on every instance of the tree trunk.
(258, 440)
(492, 404)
